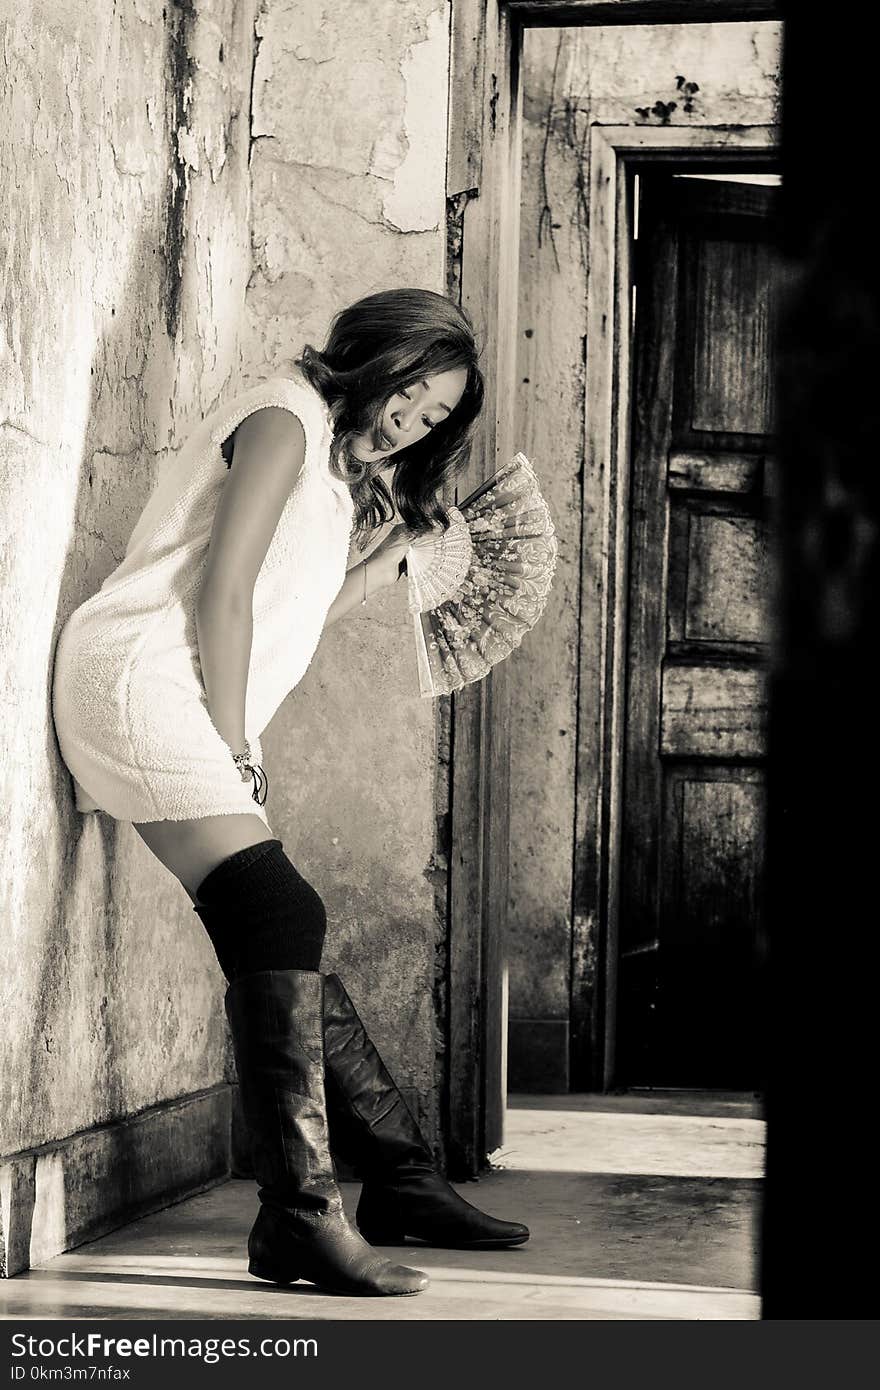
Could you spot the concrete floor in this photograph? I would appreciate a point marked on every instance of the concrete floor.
(640, 1207)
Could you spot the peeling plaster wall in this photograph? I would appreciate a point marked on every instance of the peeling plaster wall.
(203, 184)
(573, 79)
(124, 257)
(348, 186)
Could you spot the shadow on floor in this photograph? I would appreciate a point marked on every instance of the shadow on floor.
(652, 1244)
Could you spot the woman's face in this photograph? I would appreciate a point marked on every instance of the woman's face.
(411, 413)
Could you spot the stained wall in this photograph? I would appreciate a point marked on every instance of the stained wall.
(125, 255)
(194, 188)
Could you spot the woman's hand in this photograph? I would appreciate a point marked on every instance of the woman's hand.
(384, 562)
(381, 568)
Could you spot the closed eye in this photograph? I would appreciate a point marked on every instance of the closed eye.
(426, 420)
(431, 424)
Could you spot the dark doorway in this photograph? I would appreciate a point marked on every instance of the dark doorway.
(700, 623)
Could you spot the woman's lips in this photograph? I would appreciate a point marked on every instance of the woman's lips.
(368, 446)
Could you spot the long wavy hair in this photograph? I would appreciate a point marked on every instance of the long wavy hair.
(376, 347)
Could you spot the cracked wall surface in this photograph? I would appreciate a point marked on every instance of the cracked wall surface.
(575, 78)
(203, 183)
(348, 168)
(124, 256)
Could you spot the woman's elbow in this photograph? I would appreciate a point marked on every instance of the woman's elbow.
(230, 602)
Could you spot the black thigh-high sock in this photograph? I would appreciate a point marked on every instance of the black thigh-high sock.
(260, 912)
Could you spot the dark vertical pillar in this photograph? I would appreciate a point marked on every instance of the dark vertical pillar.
(823, 991)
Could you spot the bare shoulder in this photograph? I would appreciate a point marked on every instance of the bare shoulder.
(268, 425)
(269, 443)
(272, 426)
(268, 451)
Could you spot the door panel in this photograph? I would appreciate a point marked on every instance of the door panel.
(732, 330)
(698, 634)
(726, 564)
(711, 711)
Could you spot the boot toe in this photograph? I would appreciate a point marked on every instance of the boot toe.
(400, 1279)
(488, 1233)
(468, 1227)
(513, 1232)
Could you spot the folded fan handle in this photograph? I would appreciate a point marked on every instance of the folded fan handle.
(519, 459)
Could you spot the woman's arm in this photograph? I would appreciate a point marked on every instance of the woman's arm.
(225, 639)
(268, 455)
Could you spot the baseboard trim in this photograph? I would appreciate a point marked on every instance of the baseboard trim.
(60, 1195)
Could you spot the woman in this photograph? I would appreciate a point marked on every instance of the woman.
(163, 683)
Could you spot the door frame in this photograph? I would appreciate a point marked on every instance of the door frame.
(482, 245)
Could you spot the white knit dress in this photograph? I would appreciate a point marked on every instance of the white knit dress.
(129, 703)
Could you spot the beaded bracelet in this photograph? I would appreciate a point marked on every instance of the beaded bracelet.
(248, 769)
(243, 760)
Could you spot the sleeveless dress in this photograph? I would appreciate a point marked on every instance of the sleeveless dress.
(128, 700)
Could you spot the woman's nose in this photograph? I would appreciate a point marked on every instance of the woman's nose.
(403, 419)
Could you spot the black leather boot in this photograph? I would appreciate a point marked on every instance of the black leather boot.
(371, 1127)
(301, 1231)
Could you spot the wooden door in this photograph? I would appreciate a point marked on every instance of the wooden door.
(698, 631)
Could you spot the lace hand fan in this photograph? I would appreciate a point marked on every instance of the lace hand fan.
(477, 588)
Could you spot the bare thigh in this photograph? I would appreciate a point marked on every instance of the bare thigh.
(192, 848)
